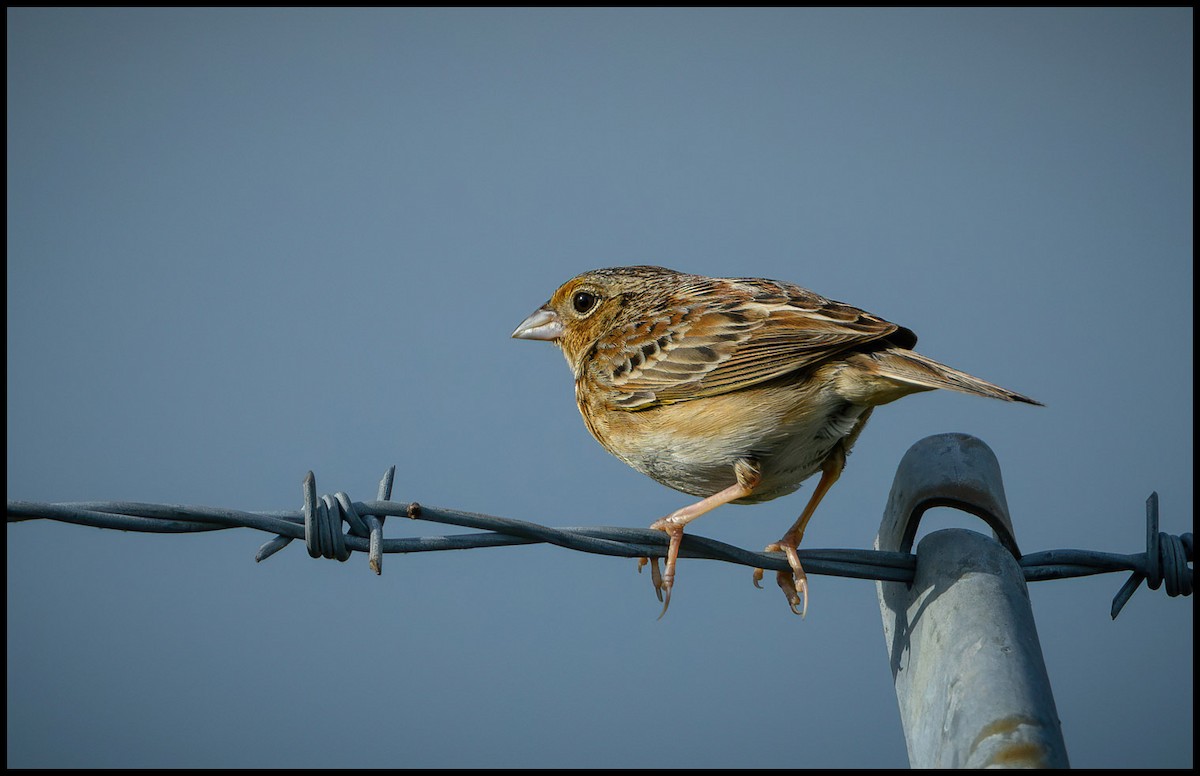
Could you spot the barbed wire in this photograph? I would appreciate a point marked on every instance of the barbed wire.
(319, 523)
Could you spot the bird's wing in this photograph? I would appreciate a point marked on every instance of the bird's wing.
(718, 335)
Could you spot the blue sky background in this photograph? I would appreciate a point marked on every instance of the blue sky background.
(243, 244)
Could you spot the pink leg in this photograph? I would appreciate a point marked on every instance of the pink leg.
(748, 476)
(795, 583)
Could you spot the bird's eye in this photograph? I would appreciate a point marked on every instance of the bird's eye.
(584, 301)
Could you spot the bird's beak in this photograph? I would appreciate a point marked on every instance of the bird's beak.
(542, 325)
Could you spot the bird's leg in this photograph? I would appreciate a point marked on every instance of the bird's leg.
(748, 476)
(794, 583)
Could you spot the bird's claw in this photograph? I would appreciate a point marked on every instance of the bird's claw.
(794, 583)
(664, 595)
(656, 578)
(795, 588)
(758, 575)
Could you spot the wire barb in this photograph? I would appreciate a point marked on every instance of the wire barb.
(1166, 557)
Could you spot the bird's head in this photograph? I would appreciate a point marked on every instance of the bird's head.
(588, 306)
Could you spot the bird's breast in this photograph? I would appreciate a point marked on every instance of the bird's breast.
(692, 446)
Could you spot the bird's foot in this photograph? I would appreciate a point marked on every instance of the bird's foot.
(794, 583)
(665, 580)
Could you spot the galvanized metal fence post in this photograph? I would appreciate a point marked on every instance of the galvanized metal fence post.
(968, 668)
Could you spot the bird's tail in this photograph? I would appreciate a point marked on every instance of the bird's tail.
(921, 373)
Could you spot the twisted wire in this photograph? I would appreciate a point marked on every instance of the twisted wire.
(319, 523)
